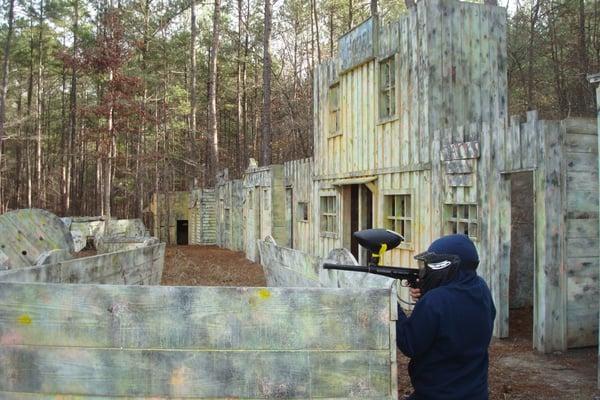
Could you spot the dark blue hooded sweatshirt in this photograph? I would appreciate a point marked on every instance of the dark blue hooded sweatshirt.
(447, 338)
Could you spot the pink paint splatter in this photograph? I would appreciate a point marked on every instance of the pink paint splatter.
(11, 338)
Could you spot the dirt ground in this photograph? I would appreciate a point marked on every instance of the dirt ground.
(516, 371)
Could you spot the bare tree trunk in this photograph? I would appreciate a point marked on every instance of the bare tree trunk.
(212, 96)
(141, 139)
(350, 14)
(266, 151)
(29, 125)
(64, 141)
(532, 23)
(316, 21)
(4, 88)
(18, 166)
(193, 157)
(109, 160)
(40, 91)
(331, 33)
(244, 90)
(72, 111)
(583, 62)
(240, 128)
(373, 8)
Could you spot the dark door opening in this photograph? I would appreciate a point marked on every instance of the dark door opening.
(353, 219)
(182, 232)
(522, 255)
(361, 217)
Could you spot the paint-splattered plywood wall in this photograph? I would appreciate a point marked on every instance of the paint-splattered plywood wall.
(197, 343)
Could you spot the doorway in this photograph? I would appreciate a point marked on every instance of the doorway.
(359, 212)
(522, 255)
(182, 232)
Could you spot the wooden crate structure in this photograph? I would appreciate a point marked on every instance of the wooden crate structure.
(102, 341)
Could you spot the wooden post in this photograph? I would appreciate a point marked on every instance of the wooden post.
(549, 331)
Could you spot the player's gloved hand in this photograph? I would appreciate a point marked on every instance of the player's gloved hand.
(415, 293)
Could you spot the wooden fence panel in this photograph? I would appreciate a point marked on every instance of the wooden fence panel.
(196, 342)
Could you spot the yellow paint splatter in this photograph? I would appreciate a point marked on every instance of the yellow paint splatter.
(264, 293)
(24, 319)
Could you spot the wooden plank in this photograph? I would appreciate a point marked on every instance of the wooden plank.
(358, 46)
(203, 374)
(513, 146)
(460, 151)
(550, 330)
(476, 66)
(584, 126)
(581, 162)
(530, 140)
(583, 180)
(423, 83)
(582, 228)
(582, 201)
(459, 166)
(582, 266)
(413, 87)
(140, 266)
(405, 103)
(459, 180)
(581, 143)
(144, 317)
(583, 247)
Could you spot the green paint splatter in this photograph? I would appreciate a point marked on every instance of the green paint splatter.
(24, 319)
(264, 293)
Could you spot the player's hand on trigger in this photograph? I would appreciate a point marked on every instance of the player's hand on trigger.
(415, 293)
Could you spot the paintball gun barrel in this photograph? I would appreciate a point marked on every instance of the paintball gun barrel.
(410, 275)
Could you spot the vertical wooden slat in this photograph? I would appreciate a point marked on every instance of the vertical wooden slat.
(549, 302)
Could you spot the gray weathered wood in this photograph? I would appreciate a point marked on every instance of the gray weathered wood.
(460, 151)
(359, 45)
(140, 266)
(200, 374)
(196, 342)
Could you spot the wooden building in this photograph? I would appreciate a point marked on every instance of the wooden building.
(399, 119)
(411, 134)
(263, 207)
(185, 217)
(595, 79)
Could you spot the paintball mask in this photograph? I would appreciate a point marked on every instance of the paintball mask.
(436, 269)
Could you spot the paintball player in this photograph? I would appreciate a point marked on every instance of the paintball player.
(448, 333)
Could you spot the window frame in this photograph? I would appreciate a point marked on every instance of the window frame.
(463, 216)
(390, 91)
(299, 211)
(390, 195)
(334, 216)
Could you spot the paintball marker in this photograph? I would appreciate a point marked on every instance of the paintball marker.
(378, 241)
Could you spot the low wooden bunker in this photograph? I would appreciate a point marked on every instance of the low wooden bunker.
(82, 341)
(32, 237)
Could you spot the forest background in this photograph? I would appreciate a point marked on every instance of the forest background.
(104, 102)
